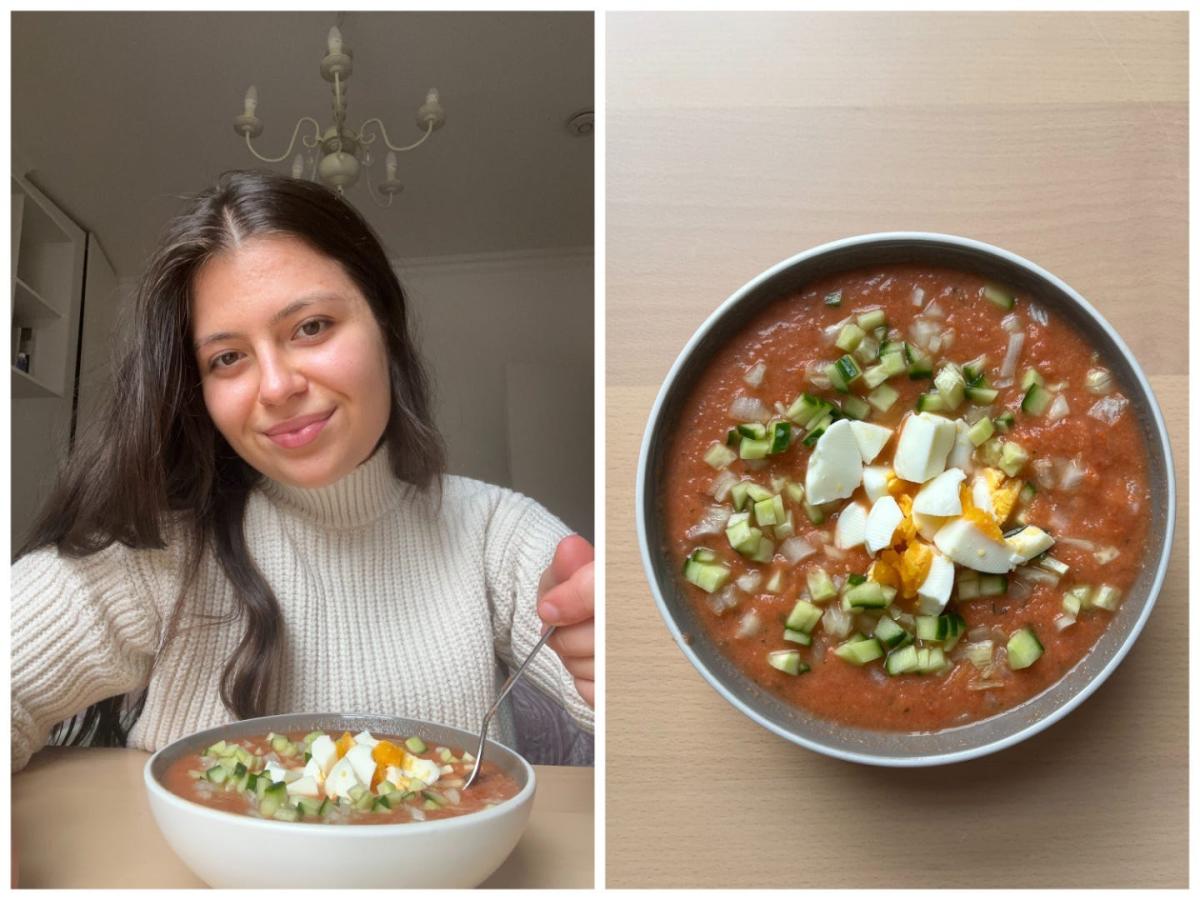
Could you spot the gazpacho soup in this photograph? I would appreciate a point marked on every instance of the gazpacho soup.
(355, 780)
(906, 498)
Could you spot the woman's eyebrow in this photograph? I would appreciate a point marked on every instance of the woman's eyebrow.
(289, 310)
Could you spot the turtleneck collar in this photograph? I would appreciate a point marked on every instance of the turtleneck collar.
(361, 497)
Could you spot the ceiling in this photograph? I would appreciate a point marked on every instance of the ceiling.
(118, 115)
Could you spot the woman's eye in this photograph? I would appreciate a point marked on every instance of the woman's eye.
(225, 360)
(313, 327)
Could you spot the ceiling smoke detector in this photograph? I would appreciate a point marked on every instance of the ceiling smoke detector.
(582, 124)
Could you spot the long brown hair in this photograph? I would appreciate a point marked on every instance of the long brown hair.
(155, 454)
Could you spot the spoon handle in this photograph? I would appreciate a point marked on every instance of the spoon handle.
(508, 685)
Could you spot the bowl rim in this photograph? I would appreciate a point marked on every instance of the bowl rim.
(218, 816)
(876, 759)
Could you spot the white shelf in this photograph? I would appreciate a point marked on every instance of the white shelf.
(26, 387)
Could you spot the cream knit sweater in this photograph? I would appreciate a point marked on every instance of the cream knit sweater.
(388, 608)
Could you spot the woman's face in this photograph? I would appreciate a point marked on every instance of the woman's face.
(293, 362)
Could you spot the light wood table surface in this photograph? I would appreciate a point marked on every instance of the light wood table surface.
(80, 819)
(735, 141)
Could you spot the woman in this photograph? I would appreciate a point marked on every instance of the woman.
(261, 522)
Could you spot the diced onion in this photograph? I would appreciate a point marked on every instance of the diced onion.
(724, 599)
(1043, 473)
(1037, 314)
(832, 332)
(918, 296)
(1099, 381)
(975, 413)
(979, 633)
(1011, 323)
(833, 552)
(416, 812)
(982, 685)
(818, 377)
(714, 522)
(1015, 342)
(453, 796)
(1077, 542)
(980, 654)
(1034, 574)
(722, 484)
(1019, 589)
(750, 581)
(795, 549)
(755, 465)
(935, 311)
(749, 625)
(1108, 409)
(837, 622)
(1058, 408)
(754, 377)
(923, 330)
(1063, 621)
(1105, 555)
(1070, 473)
(947, 338)
(749, 409)
(781, 409)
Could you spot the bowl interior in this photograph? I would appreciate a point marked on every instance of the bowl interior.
(898, 748)
(431, 732)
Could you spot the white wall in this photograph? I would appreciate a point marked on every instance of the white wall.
(521, 325)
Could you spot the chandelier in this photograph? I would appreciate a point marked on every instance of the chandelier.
(338, 153)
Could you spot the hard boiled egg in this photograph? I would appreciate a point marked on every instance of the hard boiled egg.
(966, 544)
(882, 520)
(304, 787)
(341, 779)
(835, 467)
(1028, 543)
(935, 589)
(324, 752)
(875, 481)
(939, 496)
(871, 439)
(925, 441)
(851, 529)
(362, 762)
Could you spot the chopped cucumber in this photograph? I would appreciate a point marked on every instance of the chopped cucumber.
(804, 617)
(930, 403)
(875, 376)
(980, 431)
(797, 637)
(1030, 378)
(868, 595)
(883, 397)
(754, 449)
(1013, 458)
(1024, 649)
(920, 367)
(753, 430)
(872, 318)
(743, 537)
(894, 362)
(780, 436)
(992, 585)
(891, 634)
(982, 396)
(834, 298)
(860, 651)
(850, 337)
(1036, 401)
(708, 576)
(787, 661)
(901, 660)
(820, 585)
(1001, 297)
(950, 387)
(1005, 420)
(1106, 597)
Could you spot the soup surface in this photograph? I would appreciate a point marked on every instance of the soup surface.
(353, 780)
(906, 498)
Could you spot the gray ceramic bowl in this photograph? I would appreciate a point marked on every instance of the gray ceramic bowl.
(229, 850)
(880, 747)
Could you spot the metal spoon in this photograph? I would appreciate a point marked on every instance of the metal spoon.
(508, 685)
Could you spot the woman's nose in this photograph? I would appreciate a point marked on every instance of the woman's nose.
(280, 379)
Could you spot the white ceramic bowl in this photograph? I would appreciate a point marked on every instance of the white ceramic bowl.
(227, 850)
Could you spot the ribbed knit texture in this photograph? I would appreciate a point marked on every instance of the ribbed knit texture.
(391, 606)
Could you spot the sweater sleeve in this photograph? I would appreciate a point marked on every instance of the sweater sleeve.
(522, 539)
(83, 629)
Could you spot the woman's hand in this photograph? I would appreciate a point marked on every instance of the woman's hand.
(565, 599)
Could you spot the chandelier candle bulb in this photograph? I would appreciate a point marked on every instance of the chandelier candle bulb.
(251, 101)
(335, 40)
(391, 166)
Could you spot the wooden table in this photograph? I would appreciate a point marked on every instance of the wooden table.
(735, 141)
(80, 820)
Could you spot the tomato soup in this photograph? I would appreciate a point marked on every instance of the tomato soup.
(906, 498)
(352, 780)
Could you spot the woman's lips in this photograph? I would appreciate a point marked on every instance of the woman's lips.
(300, 431)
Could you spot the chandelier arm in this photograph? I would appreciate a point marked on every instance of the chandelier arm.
(383, 132)
(291, 143)
(371, 193)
